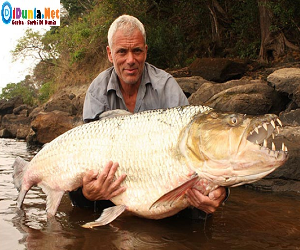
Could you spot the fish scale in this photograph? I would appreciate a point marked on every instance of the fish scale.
(150, 147)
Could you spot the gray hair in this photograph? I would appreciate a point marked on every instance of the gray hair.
(127, 23)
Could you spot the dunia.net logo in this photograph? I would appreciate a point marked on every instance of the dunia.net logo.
(16, 15)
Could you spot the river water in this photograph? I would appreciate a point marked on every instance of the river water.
(249, 220)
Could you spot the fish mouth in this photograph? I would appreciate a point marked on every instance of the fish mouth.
(262, 136)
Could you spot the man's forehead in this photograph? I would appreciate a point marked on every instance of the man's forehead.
(125, 38)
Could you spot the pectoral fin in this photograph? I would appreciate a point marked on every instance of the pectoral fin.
(107, 216)
(170, 197)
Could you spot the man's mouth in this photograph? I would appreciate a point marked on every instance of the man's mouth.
(131, 71)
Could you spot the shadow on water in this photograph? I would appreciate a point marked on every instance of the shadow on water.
(249, 220)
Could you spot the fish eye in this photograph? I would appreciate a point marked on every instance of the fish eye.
(233, 120)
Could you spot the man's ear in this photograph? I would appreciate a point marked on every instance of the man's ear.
(109, 55)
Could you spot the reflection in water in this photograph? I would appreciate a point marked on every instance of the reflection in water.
(250, 220)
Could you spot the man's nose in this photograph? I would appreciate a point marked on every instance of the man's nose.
(130, 58)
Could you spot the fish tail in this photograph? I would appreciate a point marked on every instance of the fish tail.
(20, 167)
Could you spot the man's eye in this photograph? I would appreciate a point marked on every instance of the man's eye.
(121, 51)
(137, 50)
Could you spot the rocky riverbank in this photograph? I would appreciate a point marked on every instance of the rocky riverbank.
(219, 83)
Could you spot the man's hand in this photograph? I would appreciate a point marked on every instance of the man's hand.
(103, 186)
(209, 203)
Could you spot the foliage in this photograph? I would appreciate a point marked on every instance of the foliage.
(25, 89)
(177, 32)
(45, 92)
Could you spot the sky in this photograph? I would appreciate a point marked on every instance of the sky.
(14, 72)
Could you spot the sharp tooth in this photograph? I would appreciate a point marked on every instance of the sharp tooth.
(283, 147)
(277, 130)
(265, 126)
(279, 122)
(265, 143)
(256, 130)
(273, 124)
(273, 136)
(273, 146)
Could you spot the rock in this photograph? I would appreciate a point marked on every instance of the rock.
(13, 122)
(184, 72)
(7, 107)
(252, 97)
(218, 69)
(24, 108)
(290, 118)
(22, 132)
(63, 103)
(189, 85)
(287, 80)
(48, 125)
(5, 133)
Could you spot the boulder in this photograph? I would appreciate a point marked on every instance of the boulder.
(290, 118)
(7, 106)
(189, 85)
(12, 123)
(5, 133)
(218, 69)
(287, 80)
(252, 97)
(62, 103)
(48, 125)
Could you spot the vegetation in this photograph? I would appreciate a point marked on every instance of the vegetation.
(177, 32)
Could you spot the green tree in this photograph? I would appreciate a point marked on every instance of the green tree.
(25, 88)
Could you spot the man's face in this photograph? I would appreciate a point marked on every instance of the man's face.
(128, 55)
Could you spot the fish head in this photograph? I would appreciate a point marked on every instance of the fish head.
(234, 149)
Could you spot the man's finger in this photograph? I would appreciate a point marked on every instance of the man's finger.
(90, 175)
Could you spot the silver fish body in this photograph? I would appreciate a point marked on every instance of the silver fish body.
(162, 152)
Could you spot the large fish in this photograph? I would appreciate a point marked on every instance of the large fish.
(163, 153)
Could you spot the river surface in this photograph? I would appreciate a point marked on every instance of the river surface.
(249, 220)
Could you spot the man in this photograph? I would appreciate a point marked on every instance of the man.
(133, 85)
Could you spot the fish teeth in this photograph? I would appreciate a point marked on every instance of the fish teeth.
(273, 136)
(279, 122)
(273, 124)
(265, 126)
(256, 130)
(273, 146)
(265, 143)
(284, 148)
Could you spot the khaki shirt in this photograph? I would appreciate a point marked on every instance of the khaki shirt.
(158, 89)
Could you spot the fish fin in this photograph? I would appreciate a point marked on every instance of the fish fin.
(107, 216)
(20, 166)
(114, 113)
(170, 197)
(53, 199)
